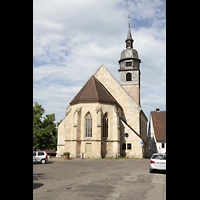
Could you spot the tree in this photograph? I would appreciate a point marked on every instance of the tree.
(44, 130)
(58, 123)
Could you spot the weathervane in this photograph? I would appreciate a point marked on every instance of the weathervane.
(128, 19)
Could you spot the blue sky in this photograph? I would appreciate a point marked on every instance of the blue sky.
(72, 39)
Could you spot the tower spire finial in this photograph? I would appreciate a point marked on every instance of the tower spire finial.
(128, 19)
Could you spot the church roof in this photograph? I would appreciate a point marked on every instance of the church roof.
(159, 125)
(93, 90)
(129, 53)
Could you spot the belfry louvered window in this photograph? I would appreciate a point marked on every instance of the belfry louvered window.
(128, 64)
(88, 126)
(105, 125)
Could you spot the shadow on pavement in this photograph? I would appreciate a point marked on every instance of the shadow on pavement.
(37, 185)
(159, 171)
(48, 162)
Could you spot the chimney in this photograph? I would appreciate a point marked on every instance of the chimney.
(157, 109)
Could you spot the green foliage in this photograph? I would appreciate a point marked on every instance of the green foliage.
(44, 128)
(66, 153)
(58, 123)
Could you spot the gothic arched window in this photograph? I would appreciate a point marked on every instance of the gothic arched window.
(105, 125)
(128, 77)
(88, 125)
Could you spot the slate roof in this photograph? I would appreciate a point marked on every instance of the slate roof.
(93, 90)
(159, 124)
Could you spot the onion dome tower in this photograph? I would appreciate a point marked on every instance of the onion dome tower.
(129, 72)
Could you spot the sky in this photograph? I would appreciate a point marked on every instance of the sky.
(73, 38)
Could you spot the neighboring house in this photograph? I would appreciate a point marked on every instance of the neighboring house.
(105, 118)
(50, 152)
(156, 139)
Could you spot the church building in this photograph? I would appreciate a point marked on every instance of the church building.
(105, 117)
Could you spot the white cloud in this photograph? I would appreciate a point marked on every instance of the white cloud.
(146, 9)
(71, 39)
(54, 97)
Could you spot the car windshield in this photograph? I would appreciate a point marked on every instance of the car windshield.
(159, 157)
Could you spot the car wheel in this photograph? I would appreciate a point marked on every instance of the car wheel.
(43, 161)
(150, 170)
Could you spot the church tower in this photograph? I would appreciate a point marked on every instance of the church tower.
(129, 72)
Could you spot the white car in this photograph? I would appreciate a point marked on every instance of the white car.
(158, 162)
(40, 156)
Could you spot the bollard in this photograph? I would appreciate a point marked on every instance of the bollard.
(116, 155)
(82, 155)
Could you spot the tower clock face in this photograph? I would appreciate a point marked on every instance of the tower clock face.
(126, 134)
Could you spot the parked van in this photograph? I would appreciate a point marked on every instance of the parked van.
(40, 156)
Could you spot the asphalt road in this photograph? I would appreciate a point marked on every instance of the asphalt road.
(97, 179)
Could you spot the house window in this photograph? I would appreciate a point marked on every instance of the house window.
(105, 125)
(128, 77)
(128, 64)
(128, 146)
(88, 127)
(163, 145)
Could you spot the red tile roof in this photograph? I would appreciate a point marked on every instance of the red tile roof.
(47, 150)
(93, 90)
(159, 124)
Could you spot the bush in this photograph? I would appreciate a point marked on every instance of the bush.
(66, 153)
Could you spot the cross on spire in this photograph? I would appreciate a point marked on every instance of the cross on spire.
(128, 19)
(129, 40)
